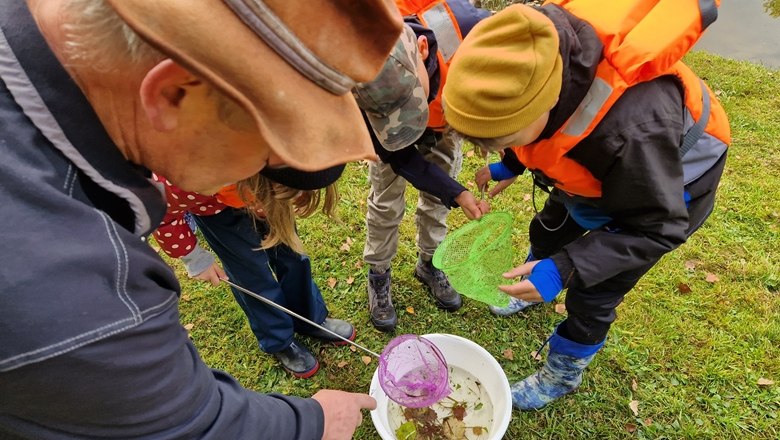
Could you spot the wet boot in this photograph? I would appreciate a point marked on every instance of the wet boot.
(337, 326)
(438, 286)
(298, 360)
(380, 303)
(560, 375)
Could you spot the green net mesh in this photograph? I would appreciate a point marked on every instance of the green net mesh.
(475, 256)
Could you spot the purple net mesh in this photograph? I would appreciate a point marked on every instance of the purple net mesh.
(413, 372)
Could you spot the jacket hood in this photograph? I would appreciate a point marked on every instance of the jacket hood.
(581, 50)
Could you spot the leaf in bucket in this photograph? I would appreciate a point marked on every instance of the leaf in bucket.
(453, 428)
(407, 431)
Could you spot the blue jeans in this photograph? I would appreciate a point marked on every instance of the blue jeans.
(235, 238)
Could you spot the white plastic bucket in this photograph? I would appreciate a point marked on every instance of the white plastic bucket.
(478, 362)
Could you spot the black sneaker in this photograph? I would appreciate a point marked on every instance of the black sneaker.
(380, 304)
(337, 326)
(298, 360)
(438, 285)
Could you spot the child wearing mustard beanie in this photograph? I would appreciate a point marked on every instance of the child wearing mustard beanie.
(505, 75)
(613, 125)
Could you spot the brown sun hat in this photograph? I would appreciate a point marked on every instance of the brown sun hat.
(290, 63)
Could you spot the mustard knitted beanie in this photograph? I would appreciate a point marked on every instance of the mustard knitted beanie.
(506, 73)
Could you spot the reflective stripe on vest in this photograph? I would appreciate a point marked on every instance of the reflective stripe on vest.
(437, 16)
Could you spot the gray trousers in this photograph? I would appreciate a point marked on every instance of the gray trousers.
(386, 206)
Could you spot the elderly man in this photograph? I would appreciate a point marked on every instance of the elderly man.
(93, 95)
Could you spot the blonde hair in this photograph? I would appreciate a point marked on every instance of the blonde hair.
(96, 36)
(282, 205)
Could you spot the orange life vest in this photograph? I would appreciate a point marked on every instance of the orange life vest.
(642, 41)
(230, 197)
(437, 16)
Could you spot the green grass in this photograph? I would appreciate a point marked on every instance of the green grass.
(695, 358)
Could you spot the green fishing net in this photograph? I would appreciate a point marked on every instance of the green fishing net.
(475, 256)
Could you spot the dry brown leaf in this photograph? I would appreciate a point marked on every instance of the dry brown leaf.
(536, 355)
(332, 282)
(189, 326)
(711, 278)
(345, 246)
(342, 364)
(764, 382)
(630, 427)
(366, 359)
(470, 153)
(155, 248)
(634, 385)
(410, 310)
(560, 309)
(690, 264)
(648, 421)
(471, 184)
(185, 297)
(359, 264)
(509, 354)
(350, 280)
(684, 288)
(634, 405)
(353, 348)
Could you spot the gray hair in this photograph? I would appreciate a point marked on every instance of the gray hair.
(98, 37)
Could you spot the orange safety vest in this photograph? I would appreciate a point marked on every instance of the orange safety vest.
(437, 16)
(642, 41)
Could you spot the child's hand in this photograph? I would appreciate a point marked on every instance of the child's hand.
(543, 282)
(472, 208)
(212, 275)
(482, 177)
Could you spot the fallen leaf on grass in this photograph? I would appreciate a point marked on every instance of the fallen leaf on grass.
(634, 385)
(648, 422)
(471, 184)
(359, 264)
(189, 326)
(509, 354)
(342, 364)
(630, 427)
(634, 405)
(352, 347)
(366, 359)
(345, 246)
(764, 382)
(332, 282)
(560, 309)
(711, 278)
(350, 280)
(470, 153)
(684, 288)
(155, 248)
(690, 264)
(536, 355)
(185, 297)
(410, 310)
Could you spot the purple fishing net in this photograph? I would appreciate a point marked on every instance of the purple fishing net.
(413, 372)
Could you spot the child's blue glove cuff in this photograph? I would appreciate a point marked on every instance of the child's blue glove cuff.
(547, 280)
(499, 171)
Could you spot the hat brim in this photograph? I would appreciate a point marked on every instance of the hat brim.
(308, 127)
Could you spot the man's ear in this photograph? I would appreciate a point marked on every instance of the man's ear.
(162, 90)
(422, 45)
